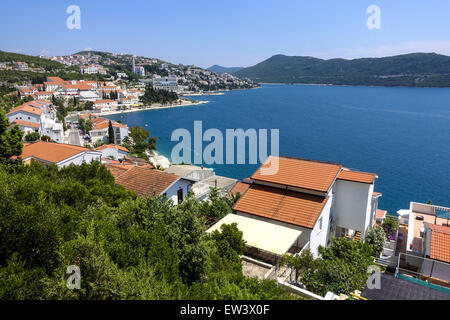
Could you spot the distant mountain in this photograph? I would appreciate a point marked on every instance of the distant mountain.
(219, 69)
(415, 70)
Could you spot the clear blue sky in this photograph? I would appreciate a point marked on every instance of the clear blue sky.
(227, 32)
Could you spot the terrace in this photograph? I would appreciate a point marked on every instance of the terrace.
(419, 215)
(266, 240)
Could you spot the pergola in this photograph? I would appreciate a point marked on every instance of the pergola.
(266, 236)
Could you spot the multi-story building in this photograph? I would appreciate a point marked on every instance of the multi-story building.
(22, 66)
(43, 95)
(37, 116)
(166, 83)
(92, 69)
(303, 204)
(100, 127)
(139, 70)
(105, 105)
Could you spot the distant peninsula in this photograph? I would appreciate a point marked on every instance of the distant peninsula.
(219, 69)
(412, 70)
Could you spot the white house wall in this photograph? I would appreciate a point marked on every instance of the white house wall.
(25, 116)
(172, 191)
(352, 209)
(86, 157)
(319, 235)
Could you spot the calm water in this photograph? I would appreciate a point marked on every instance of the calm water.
(402, 134)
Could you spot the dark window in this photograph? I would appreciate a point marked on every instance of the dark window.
(180, 195)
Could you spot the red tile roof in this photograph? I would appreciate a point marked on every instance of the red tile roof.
(440, 243)
(112, 146)
(357, 176)
(24, 124)
(381, 214)
(103, 101)
(143, 180)
(305, 174)
(26, 108)
(296, 208)
(239, 187)
(50, 151)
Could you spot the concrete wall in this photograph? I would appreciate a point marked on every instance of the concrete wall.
(352, 209)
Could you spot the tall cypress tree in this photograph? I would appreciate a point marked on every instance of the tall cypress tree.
(110, 132)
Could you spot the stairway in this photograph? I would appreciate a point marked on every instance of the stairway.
(357, 236)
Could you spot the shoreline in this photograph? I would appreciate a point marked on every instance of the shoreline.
(344, 85)
(151, 107)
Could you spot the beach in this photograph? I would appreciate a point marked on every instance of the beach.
(151, 107)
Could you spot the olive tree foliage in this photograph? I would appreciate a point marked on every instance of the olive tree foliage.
(341, 268)
(125, 246)
(297, 263)
(11, 143)
(376, 238)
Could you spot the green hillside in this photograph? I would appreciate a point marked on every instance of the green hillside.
(219, 69)
(33, 62)
(416, 69)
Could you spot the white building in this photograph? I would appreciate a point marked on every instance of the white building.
(105, 105)
(22, 66)
(140, 70)
(166, 83)
(100, 127)
(59, 154)
(146, 182)
(92, 69)
(37, 116)
(315, 200)
(113, 151)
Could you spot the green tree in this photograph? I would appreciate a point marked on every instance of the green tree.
(217, 206)
(229, 241)
(32, 136)
(304, 260)
(143, 141)
(110, 132)
(11, 143)
(139, 134)
(376, 238)
(127, 247)
(342, 267)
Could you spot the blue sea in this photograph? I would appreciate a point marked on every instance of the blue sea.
(402, 134)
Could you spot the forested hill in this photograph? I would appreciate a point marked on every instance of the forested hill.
(219, 69)
(415, 69)
(33, 62)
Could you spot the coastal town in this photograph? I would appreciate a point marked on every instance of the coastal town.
(287, 220)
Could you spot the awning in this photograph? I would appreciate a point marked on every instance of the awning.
(262, 235)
